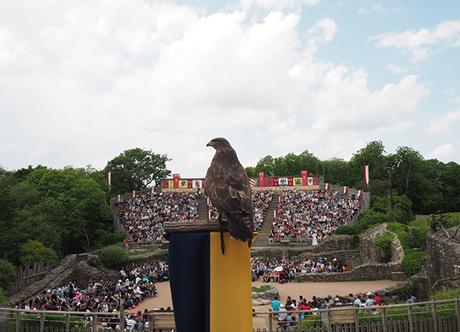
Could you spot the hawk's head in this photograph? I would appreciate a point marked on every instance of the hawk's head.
(219, 144)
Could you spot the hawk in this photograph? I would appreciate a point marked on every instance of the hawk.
(227, 186)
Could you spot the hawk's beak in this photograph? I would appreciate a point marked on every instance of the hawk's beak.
(209, 144)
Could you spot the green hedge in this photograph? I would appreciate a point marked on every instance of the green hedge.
(385, 243)
(113, 257)
(447, 294)
(2, 296)
(413, 261)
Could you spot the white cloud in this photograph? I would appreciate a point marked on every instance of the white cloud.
(421, 43)
(377, 8)
(85, 79)
(445, 123)
(395, 69)
(445, 152)
(278, 4)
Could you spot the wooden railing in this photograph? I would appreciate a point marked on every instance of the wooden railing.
(433, 316)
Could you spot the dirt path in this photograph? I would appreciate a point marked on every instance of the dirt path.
(294, 289)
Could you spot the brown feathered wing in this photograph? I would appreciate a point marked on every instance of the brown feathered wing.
(227, 186)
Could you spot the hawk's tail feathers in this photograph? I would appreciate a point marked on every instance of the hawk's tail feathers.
(240, 227)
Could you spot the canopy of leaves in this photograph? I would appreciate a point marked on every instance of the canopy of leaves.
(63, 209)
(428, 185)
(135, 169)
(113, 257)
(35, 251)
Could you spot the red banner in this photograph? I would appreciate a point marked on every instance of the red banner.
(275, 182)
(290, 181)
(261, 179)
(316, 181)
(304, 174)
(176, 178)
(269, 182)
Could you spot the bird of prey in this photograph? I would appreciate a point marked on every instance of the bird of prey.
(227, 186)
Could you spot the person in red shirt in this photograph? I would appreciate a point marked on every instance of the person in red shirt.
(377, 299)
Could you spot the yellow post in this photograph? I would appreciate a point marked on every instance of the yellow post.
(230, 285)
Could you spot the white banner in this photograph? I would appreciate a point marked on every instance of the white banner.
(310, 181)
(283, 181)
(198, 184)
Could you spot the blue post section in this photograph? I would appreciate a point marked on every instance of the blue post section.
(189, 279)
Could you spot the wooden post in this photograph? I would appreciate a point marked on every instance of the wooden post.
(356, 320)
(329, 325)
(18, 321)
(300, 322)
(434, 316)
(384, 320)
(42, 322)
(457, 309)
(218, 279)
(411, 318)
(122, 319)
(67, 322)
(94, 322)
(270, 322)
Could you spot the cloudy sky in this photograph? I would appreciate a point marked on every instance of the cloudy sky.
(83, 80)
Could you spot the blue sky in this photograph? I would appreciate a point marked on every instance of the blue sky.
(82, 80)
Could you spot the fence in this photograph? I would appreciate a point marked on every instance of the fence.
(434, 316)
(28, 274)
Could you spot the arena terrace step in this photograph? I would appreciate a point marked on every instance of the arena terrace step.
(262, 236)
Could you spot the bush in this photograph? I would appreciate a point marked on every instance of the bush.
(36, 251)
(418, 235)
(402, 231)
(385, 243)
(351, 229)
(113, 257)
(413, 261)
(7, 273)
(447, 294)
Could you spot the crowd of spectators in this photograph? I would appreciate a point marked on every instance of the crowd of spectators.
(136, 283)
(307, 217)
(284, 270)
(144, 215)
(261, 201)
(288, 312)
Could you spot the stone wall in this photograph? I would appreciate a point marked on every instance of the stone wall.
(372, 254)
(83, 267)
(362, 272)
(442, 266)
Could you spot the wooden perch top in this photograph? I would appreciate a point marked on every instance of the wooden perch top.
(194, 226)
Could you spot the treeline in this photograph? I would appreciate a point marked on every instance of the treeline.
(429, 185)
(46, 214)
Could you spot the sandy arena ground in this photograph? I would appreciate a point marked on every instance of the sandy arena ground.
(294, 289)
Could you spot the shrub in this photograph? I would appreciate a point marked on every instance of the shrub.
(351, 229)
(418, 235)
(36, 251)
(7, 273)
(413, 261)
(385, 243)
(113, 257)
(453, 219)
(447, 294)
(401, 231)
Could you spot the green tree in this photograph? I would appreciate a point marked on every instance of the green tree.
(63, 209)
(7, 273)
(35, 251)
(135, 169)
(266, 165)
(113, 257)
